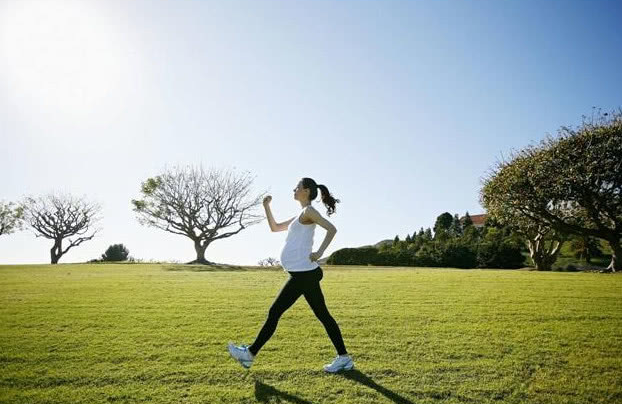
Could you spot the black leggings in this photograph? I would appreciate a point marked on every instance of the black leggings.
(305, 283)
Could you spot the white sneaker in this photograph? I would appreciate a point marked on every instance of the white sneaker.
(340, 363)
(242, 354)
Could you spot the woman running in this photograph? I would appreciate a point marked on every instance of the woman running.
(305, 274)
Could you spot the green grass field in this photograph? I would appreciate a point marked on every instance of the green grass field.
(81, 333)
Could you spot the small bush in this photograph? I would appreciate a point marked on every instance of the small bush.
(116, 252)
(94, 261)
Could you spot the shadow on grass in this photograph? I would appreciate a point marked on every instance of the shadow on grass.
(264, 392)
(215, 268)
(365, 380)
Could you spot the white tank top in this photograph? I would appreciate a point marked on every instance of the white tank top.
(298, 246)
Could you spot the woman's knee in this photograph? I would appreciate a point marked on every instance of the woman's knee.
(324, 315)
(275, 312)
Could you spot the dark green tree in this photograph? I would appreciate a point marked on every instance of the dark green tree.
(427, 235)
(471, 235)
(413, 238)
(116, 252)
(456, 227)
(443, 222)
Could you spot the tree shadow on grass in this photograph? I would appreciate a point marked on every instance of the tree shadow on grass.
(214, 268)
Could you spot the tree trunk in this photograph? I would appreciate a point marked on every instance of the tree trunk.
(538, 258)
(541, 262)
(56, 252)
(54, 258)
(542, 257)
(616, 256)
(200, 250)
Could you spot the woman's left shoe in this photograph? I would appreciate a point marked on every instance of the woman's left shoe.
(241, 354)
(340, 363)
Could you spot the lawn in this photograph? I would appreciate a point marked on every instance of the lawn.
(126, 333)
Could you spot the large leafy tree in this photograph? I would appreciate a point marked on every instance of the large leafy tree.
(571, 183)
(11, 217)
(59, 217)
(543, 241)
(204, 206)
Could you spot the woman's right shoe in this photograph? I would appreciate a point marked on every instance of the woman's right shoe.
(241, 354)
(340, 363)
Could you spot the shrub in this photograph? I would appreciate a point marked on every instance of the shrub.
(116, 252)
(429, 255)
(385, 258)
(499, 255)
(353, 256)
(458, 255)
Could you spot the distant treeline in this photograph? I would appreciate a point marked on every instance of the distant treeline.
(455, 243)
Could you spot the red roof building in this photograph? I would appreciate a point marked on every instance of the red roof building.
(478, 220)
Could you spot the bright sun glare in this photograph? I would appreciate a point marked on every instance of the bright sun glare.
(57, 55)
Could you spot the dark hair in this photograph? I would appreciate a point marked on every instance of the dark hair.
(327, 198)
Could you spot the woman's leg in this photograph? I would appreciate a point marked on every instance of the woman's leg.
(315, 298)
(290, 292)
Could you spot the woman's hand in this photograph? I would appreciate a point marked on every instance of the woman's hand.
(267, 200)
(314, 256)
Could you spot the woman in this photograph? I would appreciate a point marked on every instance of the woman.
(304, 274)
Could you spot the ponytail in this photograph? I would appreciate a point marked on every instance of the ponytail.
(328, 200)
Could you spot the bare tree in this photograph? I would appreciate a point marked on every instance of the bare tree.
(60, 216)
(11, 216)
(198, 204)
(269, 262)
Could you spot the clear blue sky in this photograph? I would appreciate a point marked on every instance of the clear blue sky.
(399, 108)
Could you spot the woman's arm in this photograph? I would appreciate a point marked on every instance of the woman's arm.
(271, 221)
(274, 226)
(327, 239)
(312, 214)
